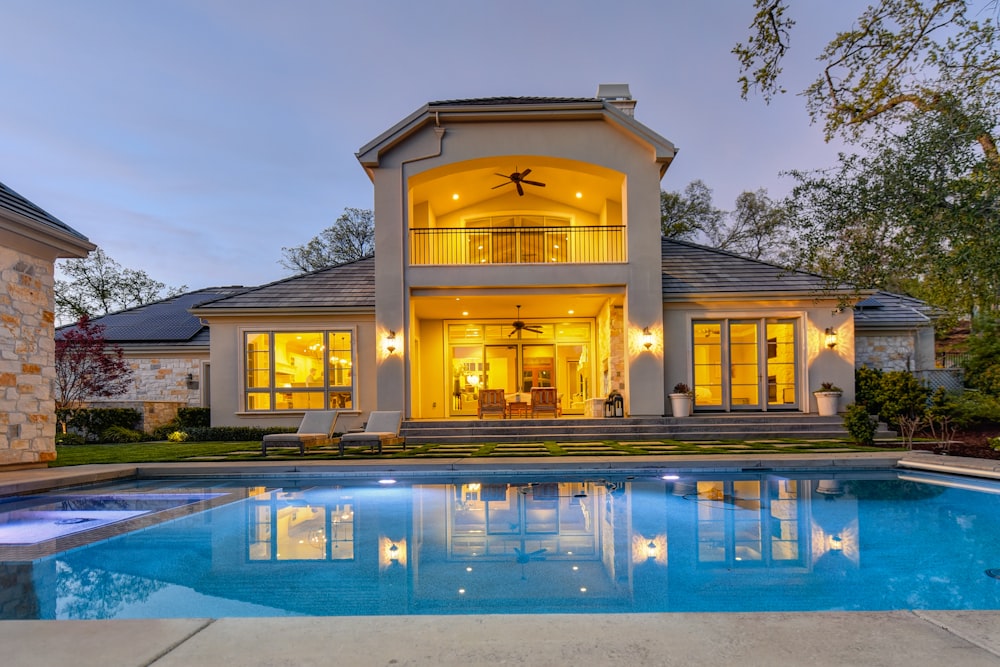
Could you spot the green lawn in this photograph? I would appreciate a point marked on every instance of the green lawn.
(164, 452)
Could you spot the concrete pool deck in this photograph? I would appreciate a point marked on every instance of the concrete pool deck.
(913, 638)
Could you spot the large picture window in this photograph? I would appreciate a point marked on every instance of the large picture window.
(299, 370)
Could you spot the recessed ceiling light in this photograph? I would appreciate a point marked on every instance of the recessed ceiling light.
(455, 196)
(571, 311)
(465, 313)
(579, 195)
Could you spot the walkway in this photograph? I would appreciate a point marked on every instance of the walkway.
(910, 638)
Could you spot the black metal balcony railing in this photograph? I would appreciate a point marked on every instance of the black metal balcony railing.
(517, 245)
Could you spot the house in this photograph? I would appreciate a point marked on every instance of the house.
(168, 350)
(518, 245)
(30, 242)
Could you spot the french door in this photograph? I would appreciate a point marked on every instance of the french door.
(745, 364)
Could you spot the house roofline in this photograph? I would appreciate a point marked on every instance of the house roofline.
(370, 154)
(66, 243)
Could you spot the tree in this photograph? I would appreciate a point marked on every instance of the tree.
(97, 285)
(916, 213)
(899, 58)
(350, 238)
(87, 367)
(685, 215)
(756, 228)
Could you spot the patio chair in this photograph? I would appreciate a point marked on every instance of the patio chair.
(382, 429)
(492, 401)
(316, 430)
(545, 399)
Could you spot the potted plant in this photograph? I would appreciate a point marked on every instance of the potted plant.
(681, 400)
(827, 399)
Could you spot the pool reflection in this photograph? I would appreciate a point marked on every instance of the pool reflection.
(748, 542)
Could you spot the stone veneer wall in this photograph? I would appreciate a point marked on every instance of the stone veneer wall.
(27, 359)
(159, 387)
(893, 352)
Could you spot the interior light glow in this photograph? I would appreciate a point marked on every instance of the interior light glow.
(387, 481)
(461, 591)
(583, 589)
(671, 477)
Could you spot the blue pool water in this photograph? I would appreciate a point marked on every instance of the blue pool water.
(458, 545)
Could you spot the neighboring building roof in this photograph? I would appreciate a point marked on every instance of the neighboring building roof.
(349, 286)
(23, 218)
(161, 322)
(691, 270)
(884, 310)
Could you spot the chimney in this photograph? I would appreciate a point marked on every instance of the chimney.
(617, 94)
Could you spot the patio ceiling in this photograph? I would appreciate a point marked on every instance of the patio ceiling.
(452, 306)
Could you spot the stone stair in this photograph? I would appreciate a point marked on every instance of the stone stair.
(756, 426)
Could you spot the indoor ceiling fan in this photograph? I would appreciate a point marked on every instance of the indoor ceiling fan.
(517, 178)
(520, 326)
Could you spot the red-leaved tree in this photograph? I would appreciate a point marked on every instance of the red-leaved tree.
(87, 367)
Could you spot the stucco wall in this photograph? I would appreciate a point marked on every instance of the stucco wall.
(27, 359)
(816, 362)
(227, 363)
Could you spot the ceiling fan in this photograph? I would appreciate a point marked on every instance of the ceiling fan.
(520, 326)
(517, 178)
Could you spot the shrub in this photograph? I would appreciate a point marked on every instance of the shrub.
(231, 433)
(194, 417)
(177, 436)
(867, 384)
(860, 425)
(70, 439)
(93, 422)
(902, 396)
(982, 366)
(120, 434)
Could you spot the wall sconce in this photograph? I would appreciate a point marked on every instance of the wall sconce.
(394, 554)
(651, 550)
(831, 337)
(189, 377)
(836, 543)
(390, 342)
(647, 338)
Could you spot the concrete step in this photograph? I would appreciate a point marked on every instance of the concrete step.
(696, 428)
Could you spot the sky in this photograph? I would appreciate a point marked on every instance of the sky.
(193, 139)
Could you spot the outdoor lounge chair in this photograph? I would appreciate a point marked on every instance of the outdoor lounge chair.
(492, 401)
(544, 399)
(315, 430)
(382, 429)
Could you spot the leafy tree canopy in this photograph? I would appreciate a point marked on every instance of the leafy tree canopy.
(899, 57)
(684, 215)
(97, 285)
(350, 238)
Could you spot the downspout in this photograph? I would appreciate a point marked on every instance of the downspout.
(405, 326)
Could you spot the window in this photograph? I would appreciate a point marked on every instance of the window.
(299, 370)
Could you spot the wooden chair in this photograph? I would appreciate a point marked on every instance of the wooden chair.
(545, 399)
(492, 401)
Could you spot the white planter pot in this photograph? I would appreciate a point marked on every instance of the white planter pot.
(680, 405)
(827, 402)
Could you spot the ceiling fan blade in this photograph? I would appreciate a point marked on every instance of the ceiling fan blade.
(541, 185)
(501, 185)
(512, 333)
(525, 173)
(536, 330)
(520, 190)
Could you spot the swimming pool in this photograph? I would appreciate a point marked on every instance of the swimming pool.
(587, 543)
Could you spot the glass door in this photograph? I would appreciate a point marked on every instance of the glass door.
(745, 364)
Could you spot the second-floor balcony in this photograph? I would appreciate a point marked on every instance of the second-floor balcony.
(518, 245)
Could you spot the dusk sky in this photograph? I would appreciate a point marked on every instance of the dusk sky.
(193, 139)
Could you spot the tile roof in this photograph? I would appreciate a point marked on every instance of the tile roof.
(166, 321)
(690, 269)
(15, 203)
(348, 286)
(884, 310)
